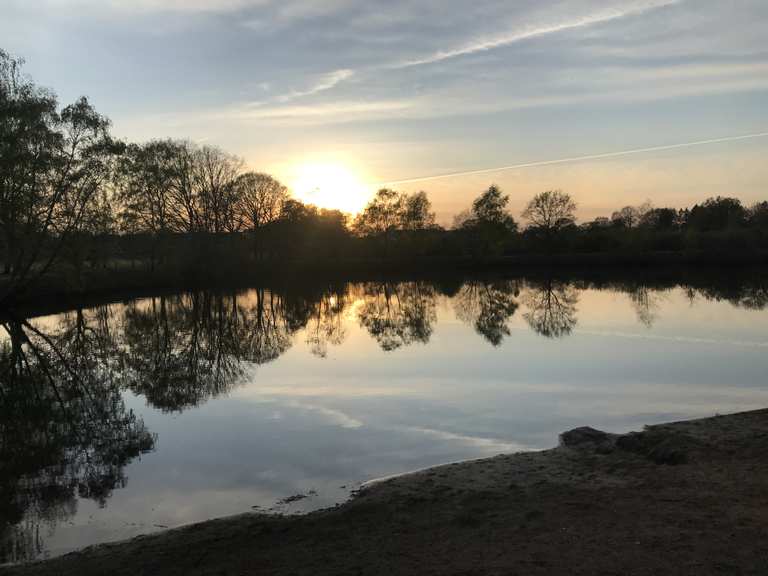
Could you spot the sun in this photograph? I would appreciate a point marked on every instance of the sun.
(330, 185)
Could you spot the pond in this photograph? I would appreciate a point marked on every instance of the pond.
(128, 418)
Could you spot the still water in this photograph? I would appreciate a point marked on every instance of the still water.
(128, 418)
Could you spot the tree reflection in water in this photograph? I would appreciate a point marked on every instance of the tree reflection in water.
(488, 306)
(646, 303)
(551, 308)
(64, 429)
(65, 432)
(398, 314)
(325, 325)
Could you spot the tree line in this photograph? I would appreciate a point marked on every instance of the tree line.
(72, 197)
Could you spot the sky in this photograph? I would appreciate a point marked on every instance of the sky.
(339, 97)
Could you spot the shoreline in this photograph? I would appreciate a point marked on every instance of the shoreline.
(55, 293)
(683, 497)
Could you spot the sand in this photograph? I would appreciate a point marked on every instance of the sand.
(681, 498)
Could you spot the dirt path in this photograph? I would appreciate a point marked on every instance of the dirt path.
(682, 498)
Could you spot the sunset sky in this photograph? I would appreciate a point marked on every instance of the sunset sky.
(364, 92)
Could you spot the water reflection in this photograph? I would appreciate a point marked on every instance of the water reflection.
(551, 308)
(488, 307)
(398, 314)
(180, 351)
(66, 434)
(325, 325)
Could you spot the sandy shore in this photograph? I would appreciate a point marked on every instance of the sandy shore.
(682, 498)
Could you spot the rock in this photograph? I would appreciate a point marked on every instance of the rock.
(586, 437)
(659, 446)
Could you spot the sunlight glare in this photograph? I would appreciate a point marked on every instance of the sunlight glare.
(330, 185)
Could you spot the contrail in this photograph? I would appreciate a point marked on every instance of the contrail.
(577, 158)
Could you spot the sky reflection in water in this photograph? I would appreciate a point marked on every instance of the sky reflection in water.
(129, 418)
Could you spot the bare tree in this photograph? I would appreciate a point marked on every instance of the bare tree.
(214, 175)
(260, 199)
(631, 216)
(550, 211)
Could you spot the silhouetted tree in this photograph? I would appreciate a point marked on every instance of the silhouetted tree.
(417, 213)
(489, 222)
(549, 213)
(758, 216)
(660, 219)
(259, 202)
(146, 180)
(53, 165)
(215, 173)
(717, 214)
(390, 214)
(631, 216)
(382, 215)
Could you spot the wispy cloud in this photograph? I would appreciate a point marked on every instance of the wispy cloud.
(148, 6)
(325, 82)
(337, 111)
(333, 79)
(600, 156)
(533, 31)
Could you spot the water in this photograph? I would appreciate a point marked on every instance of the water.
(128, 418)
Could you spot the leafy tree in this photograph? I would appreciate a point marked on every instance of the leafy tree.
(490, 208)
(660, 219)
(382, 215)
(52, 166)
(758, 216)
(488, 222)
(417, 212)
(717, 214)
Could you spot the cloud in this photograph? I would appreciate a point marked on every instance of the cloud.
(325, 82)
(285, 10)
(484, 44)
(149, 6)
(600, 156)
(338, 111)
(333, 79)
